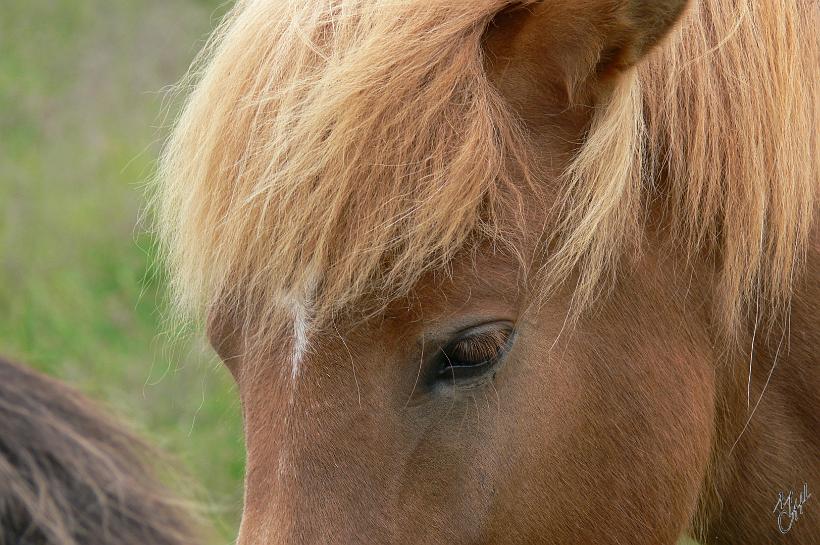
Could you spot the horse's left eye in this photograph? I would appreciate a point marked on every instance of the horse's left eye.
(475, 351)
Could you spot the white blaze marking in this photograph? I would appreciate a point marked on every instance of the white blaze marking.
(301, 325)
(299, 305)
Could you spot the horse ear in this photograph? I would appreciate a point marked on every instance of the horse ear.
(575, 46)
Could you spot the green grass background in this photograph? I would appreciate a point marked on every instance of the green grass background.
(81, 89)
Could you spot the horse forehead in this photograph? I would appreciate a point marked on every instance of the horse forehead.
(486, 282)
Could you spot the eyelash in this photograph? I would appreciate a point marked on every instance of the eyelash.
(478, 348)
(472, 355)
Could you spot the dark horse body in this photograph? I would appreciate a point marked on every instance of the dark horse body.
(69, 475)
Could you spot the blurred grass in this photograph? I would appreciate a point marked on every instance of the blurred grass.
(80, 95)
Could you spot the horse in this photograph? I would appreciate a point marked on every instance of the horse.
(72, 476)
(519, 272)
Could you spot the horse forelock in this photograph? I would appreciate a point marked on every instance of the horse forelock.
(372, 154)
(363, 140)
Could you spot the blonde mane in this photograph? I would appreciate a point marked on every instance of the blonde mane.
(332, 150)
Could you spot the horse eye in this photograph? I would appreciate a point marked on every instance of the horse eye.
(475, 351)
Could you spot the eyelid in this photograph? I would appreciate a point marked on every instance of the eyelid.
(480, 327)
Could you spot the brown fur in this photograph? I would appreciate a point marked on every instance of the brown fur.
(632, 184)
(71, 476)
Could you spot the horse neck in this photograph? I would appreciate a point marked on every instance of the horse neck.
(767, 436)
